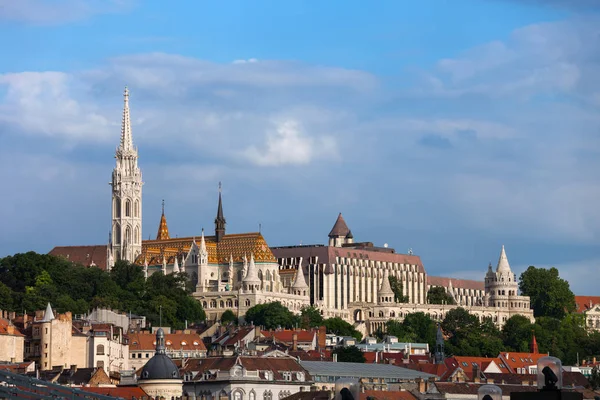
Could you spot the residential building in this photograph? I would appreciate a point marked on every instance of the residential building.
(245, 378)
(12, 342)
(590, 307)
(178, 345)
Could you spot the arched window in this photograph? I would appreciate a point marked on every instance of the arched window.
(136, 209)
(252, 395)
(117, 207)
(137, 235)
(100, 350)
(237, 395)
(117, 234)
(268, 275)
(128, 208)
(128, 235)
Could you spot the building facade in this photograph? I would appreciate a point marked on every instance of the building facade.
(351, 280)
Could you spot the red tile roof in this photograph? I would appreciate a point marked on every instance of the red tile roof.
(327, 255)
(276, 365)
(456, 283)
(520, 360)
(466, 363)
(286, 336)
(84, 255)
(584, 303)
(387, 395)
(6, 328)
(126, 392)
(173, 341)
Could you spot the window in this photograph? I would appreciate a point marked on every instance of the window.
(252, 395)
(147, 355)
(268, 395)
(133, 355)
(100, 364)
(127, 208)
(100, 350)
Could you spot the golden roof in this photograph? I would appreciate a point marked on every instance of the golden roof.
(237, 245)
(163, 229)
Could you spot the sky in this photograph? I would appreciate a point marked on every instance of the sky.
(449, 127)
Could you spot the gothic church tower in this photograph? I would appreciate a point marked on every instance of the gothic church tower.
(126, 238)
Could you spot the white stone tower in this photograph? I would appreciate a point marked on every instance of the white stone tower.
(501, 287)
(126, 241)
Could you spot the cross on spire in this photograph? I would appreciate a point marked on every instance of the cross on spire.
(163, 207)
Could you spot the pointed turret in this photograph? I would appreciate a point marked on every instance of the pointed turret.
(251, 279)
(175, 266)
(49, 314)
(299, 281)
(439, 346)
(503, 265)
(340, 229)
(386, 294)
(220, 220)
(534, 346)
(126, 138)
(164, 265)
(163, 229)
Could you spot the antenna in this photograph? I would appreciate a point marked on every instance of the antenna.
(410, 252)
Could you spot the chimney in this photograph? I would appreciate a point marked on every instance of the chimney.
(421, 384)
(257, 332)
(594, 360)
(476, 374)
(295, 341)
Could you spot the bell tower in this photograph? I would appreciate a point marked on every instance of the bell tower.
(126, 195)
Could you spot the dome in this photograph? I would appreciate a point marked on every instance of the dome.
(160, 366)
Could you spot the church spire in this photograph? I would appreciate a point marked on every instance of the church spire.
(163, 229)
(126, 138)
(503, 265)
(220, 220)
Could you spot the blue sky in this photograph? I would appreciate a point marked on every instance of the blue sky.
(447, 126)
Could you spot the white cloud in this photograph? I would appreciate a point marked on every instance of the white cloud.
(58, 11)
(289, 145)
(250, 60)
(43, 103)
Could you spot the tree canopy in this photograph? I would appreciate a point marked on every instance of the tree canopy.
(470, 337)
(550, 295)
(32, 280)
(340, 327)
(396, 285)
(310, 317)
(438, 295)
(349, 354)
(272, 316)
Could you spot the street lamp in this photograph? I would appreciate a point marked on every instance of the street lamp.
(549, 382)
(489, 392)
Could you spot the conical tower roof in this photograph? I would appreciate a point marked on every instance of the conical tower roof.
(503, 265)
(251, 276)
(339, 228)
(386, 288)
(299, 281)
(49, 314)
(163, 229)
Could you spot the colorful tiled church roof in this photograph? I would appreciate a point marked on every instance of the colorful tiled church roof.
(231, 245)
(163, 229)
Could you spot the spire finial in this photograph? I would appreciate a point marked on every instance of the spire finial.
(126, 139)
(220, 187)
(163, 207)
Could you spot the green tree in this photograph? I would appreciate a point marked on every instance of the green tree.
(310, 317)
(438, 295)
(349, 354)
(340, 327)
(396, 285)
(470, 337)
(422, 328)
(6, 298)
(228, 317)
(271, 316)
(517, 333)
(550, 295)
